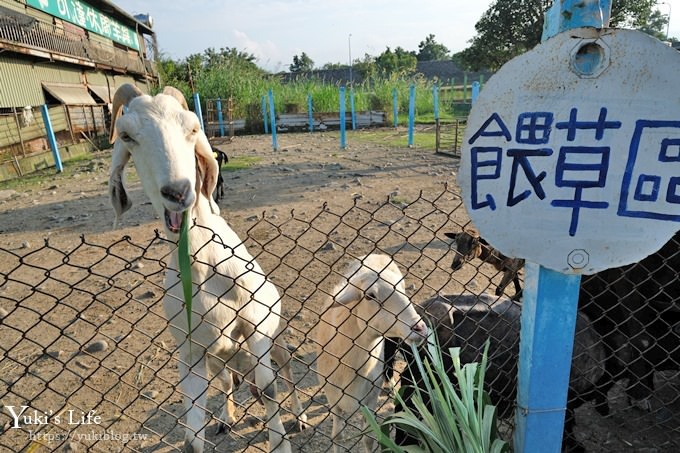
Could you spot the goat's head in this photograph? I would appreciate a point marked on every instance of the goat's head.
(172, 154)
(467, 246)
(376, 294)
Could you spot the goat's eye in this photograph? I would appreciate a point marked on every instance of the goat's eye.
(371, 295)
(126, 137)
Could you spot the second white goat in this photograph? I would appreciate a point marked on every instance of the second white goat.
(234, 307)
(368, 306)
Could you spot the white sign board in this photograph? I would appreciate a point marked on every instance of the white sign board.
(571, 154)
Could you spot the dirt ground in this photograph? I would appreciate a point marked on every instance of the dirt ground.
(80, 303)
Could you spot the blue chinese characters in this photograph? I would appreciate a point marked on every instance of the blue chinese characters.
(581, 163)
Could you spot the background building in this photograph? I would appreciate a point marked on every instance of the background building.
(71, 56)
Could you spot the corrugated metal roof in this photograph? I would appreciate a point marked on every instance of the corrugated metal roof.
(101, 91)
(70, 94)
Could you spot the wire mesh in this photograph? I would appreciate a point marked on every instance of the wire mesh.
(88, 363)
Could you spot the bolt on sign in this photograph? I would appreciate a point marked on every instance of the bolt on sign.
(571, 155)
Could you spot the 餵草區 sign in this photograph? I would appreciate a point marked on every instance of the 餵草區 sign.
(571, 156)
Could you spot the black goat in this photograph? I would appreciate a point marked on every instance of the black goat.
(222, 159)
(467, 321)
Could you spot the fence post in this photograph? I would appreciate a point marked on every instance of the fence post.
(264, 115)
(343, 143)
(549, 311)
(435, 101)
(51, 138)
(272, 117)
(411, 113)
(395, 110)
(465, 84)
(197, 109)
(351, 105)
(311, 116)
(220, 120)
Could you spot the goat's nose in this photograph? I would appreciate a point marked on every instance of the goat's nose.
(177, 192)
(420, 328)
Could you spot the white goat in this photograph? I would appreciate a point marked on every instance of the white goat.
(234, 305)
(370, 305)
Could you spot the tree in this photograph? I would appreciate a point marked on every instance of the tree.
(430, 50)
(302, 63)
(511, 27)
(398, 62)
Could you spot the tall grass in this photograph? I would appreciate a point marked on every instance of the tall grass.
(247, 85)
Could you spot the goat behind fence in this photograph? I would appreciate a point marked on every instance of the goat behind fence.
(86, 349)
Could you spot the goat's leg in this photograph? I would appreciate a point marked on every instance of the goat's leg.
(193, 382)
(260, 345)
(339, 425)
(370, 401)
(227, 415)
(283, 357)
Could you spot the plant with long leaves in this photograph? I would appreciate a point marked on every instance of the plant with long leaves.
(185, 269)
(457, 418)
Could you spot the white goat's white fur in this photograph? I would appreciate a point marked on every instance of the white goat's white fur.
(234, 305)
(368, 306)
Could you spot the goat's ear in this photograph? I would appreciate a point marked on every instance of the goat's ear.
(124, 94)
(207, 170)
(348, 297)
(117, 193)
(175, 93)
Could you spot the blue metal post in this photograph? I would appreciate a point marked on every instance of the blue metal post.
(411, 113)
(548, 323)
(395, 109)
(475, 92)
(351, 105)
(51, 138)
(311, 116)
(550, 305)
(265, 120)
(272, 117)
(435, 101)
(197, 109)
(343, 143)
(220, 119)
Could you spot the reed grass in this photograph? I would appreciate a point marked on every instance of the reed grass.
(247, 86)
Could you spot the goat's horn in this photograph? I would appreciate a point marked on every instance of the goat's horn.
(124, 94)
(175, 93)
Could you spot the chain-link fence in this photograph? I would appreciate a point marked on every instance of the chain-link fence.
(88, 363)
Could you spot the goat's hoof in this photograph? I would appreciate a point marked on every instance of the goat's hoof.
(188, 448)
(223, 428)
(302, 424)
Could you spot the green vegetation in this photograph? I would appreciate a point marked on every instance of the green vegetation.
(423, 139)
(511, 27)
(228, 73)
(71, 167)
(237, 163)
(459, 418)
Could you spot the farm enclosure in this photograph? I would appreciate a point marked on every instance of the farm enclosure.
(83, 328)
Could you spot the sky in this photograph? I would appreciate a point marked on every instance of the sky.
(326, 30)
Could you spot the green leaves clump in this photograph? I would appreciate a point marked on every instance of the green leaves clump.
(457, 419)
